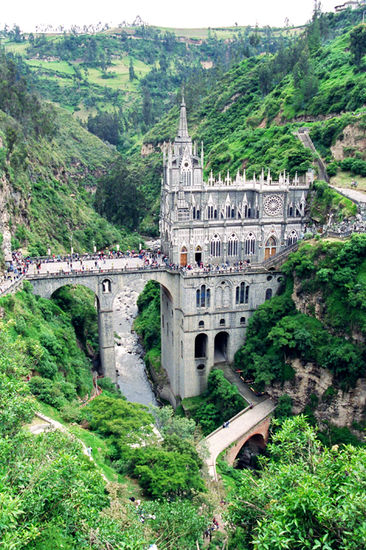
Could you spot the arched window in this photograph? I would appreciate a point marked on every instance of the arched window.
(292, 238)
(183, 256)
(106, 286)
(242, 294)
(242, 320)
(270, 248)
(268, 293)
(200, 345)
(232, 249)
(216, 246)
(201, 324)
(198, 255)
(246, 211)
(203, 296)
(228, 211)
(196, 213)
(250, 244)
(215, 214)
(290, 210)
(222, 322)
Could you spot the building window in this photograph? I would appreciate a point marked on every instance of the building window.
(232, 249)
(201, 324)
(106, 286)
(292, 238)
(242, 320)
(196, 213)
(290, 210)
(201, 367)
(210, 212)
(203, 296)
(242, 294)
(215, 246)
(246, 211)
(250, 244)
(268, 293)
(222, 322)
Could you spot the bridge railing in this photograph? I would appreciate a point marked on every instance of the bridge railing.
(13, 286)
(252, 268)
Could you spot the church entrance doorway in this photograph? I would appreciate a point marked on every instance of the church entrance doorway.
(183, 257)
(198, 255)
(270, 248)
(221, 345)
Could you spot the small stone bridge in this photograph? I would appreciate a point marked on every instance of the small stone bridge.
(252, 422)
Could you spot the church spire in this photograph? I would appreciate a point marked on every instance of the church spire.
(183, 127)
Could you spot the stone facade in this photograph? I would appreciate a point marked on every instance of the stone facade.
(225, 220)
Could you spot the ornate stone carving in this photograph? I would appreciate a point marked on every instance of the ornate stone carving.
(273, 205)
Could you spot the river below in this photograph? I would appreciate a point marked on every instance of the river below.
(132, 378)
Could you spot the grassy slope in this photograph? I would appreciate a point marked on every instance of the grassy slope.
(54, 205)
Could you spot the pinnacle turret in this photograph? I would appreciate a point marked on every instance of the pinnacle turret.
(183, 127)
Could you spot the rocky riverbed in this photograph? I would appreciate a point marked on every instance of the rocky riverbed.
(132, 377)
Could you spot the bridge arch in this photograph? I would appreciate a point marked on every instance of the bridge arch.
(221, 347)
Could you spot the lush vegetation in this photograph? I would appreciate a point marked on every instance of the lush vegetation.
(147, 324)
(278, 332)
(46, 341)
(302, 496)
(326, 203)
(220, 402)
(48, 164)
(51, 494)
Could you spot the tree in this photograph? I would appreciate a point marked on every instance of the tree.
(131, 71)
(304, 497)
(358, 44)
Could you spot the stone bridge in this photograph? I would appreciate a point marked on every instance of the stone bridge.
(251, 423)
(106, 285)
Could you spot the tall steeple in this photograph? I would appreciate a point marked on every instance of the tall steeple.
(183, 127)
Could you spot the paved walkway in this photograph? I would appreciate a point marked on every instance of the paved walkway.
(353, 194)
(239, 425)
(244, 390)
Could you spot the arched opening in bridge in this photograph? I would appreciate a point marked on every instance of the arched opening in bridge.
(198, 255)
(270, 248)
(221, 347)
(183, 257)
(200, 346)
(247, 456)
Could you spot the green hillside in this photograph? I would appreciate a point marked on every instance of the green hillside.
(49, 167)
(247, 117)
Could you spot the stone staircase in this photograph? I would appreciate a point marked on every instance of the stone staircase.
(303, 135)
